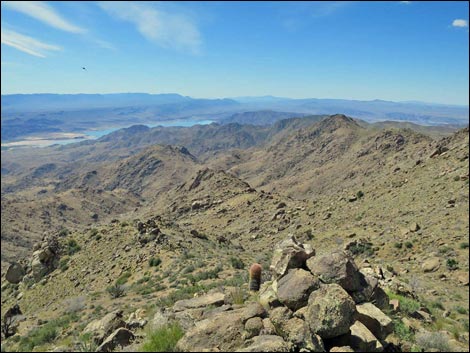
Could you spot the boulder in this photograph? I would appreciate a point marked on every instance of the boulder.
(216, 299)
(296, 332)
(342, 349)
(253, 326)
(431, 264)
(337, 267)
(268, 294)
(330, 311)
(360, 339)
(15, 273)
(119, 338)
(279, 317)
(375, 320)
(223, 331)
(100, 329)
(267, 343)
(293, 290)
(289, 254)
(370, 291)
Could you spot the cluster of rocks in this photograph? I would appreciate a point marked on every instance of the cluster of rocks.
(149, 231)
(314, 303)
(112, 331)
(44, 260)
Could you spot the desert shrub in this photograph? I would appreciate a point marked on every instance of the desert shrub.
(155, 262)
(63, 232)
(403, 332)
(64, 263)
(75, 304)
(237, 263)
(123, 278)
(86, 343)
(461, 310)
(407, 305)
(93, 232)
(464, 245)
(409, 244)
(398, 245)
(116, 291)
(452, 264)
(432, 340)
(360, 194)
(237, 295)
(72, 247)
(362, 248)
(163, 339)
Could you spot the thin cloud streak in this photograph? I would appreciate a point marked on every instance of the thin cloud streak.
(26, 44)
(44, 13)
(460, 23)
(166, 29)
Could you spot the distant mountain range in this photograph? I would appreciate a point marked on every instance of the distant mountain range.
(32, 114)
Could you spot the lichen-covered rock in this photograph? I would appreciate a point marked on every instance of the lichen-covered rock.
(431, 264)
(360, 339)
(289, 254)
(15, 273)
(268, 294)
(216, 299)
(336, 267)
(102, 328)
(370, 291)
(330, 311)
(295, 287)
(119, 338)
(297, 332)
(267, 343)
(374, 319)
(253, 326)
(223, 331)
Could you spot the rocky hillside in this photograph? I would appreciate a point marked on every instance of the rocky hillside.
(158, 242)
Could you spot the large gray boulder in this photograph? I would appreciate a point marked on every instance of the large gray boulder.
(295, 287)
(360, 339)
(224, 331)
(290, 254)
(336, 267)
(215, 299)
(102, 328)
(374, 319)
(330, 311)
(297, 332)
(15, 273)
(267, 343)
(119, 338)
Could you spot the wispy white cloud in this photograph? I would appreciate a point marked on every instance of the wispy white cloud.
(405, 2)
(26, 44)
(44, 13)
(167, 29)
(460, 23)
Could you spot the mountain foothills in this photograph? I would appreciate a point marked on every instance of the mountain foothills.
(143, 239)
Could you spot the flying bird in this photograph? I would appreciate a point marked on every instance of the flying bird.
(84, 68)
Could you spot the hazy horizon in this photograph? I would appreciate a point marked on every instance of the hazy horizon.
(394, 51)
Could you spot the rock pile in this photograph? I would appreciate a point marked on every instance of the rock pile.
(312, 304)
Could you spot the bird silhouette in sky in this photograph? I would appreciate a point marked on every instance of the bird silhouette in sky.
(84, 68)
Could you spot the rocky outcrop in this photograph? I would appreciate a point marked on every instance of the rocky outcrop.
(290, 254)
(102, 328)
(310, 303)
(119, 338)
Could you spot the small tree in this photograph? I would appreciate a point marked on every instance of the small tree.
(116, 291)
(9, 325)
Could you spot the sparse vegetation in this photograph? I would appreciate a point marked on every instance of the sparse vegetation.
(116, 291)
(163, 339)
(452, 264)
(463, 245)
(433, 340)
(72, 247)
(407, 305)
(155, 262)
(237, 263)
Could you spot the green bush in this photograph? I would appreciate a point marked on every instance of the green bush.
(433, 340)
(464, 245)
(73, 247)
(360, 194)
(362, 248)
(398, 245)
(123, 278)
(116, 291)
(237, 263)
(155, 262)
(409, 244)
(407, 305)
(63, 232)
(163, 339)
(452, 264)
(63, 264)
(403, 332)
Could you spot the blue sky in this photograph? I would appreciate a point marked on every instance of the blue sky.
(397, 50)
